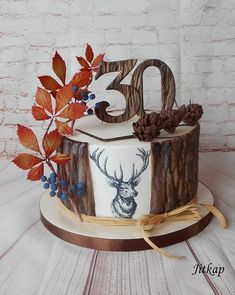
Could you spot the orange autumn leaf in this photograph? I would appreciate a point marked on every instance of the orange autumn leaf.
(60, 158)
(63, 97)
(39, 113)
(51, 141)
(43, 99)
(82, 78)
(83, 62)
(59, 67)
(89, 53)
(26, 161)
(36, 173)
(73, 111)
(97, 61)
(49, 83)
(27, 138)
(63, 127)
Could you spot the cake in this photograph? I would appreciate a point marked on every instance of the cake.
(117, 174)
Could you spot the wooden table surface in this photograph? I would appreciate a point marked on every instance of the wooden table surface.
(33, 261)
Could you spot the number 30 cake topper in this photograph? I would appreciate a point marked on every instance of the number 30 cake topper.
(133, 93)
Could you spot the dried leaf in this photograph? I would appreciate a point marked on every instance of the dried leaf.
(36, 173)
(39, 113)
(83, 62)
(26, 161)
(53, 93)
(74, 111)
(43, 98)
(63, 128)
(60, 158)
(27, 138)
(51, 141)
(63, 97)
(89, 53)
(82, 78)
(59, 67)
(97, 61)
(49, 83)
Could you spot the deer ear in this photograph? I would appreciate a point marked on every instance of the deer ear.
(111, 182)
(136, 182)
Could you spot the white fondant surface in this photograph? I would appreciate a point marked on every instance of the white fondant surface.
(119, 152)
(56, 214)
(93, 125)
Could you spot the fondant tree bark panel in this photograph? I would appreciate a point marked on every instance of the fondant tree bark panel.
(174, 171)
(77, 170)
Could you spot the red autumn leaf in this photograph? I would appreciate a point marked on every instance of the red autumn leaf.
(49, 83)
(28, 138)
(51, 141)
(89, 53)
(74, 111)
(36, 173)
(60, 158)
(97, 61)
(63, 97)
(82, 78)
(53, 93)
(43, 98)
(83, 62)
(63, 127)
(39, 113)
(59, 67)
(26, 161)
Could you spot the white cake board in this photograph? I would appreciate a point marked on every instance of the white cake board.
(119, 238)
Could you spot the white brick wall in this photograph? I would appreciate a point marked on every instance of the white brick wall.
(196, 38)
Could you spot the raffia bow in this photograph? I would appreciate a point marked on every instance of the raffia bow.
(148, 223)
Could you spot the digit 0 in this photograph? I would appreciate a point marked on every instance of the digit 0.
(167, 82)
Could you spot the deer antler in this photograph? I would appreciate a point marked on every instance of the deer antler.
(95, 156)
(144, 155)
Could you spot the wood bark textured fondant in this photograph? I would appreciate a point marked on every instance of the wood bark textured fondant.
(174, 171)
(75, 171)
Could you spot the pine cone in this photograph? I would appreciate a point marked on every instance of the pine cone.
(148, 127)
(192, 113)
(171, 119)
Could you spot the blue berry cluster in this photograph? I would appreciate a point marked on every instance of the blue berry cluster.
(78, 188)
(52, 183)
(86, 97)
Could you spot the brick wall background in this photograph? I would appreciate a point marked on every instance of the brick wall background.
(196, 38)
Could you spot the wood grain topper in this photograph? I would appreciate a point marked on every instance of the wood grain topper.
(77, 170)
(174, 177)
(167, 82)
(129, 92)
(133, 93)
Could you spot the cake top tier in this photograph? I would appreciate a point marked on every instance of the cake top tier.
(90, 129)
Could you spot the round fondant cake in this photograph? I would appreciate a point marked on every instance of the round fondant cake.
(120, 176)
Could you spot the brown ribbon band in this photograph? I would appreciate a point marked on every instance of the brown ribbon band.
(149, 222)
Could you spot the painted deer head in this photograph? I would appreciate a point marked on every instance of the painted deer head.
(123, 205)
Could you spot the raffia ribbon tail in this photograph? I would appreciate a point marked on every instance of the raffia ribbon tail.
(191, 211)
(141, 226)
(216, 212)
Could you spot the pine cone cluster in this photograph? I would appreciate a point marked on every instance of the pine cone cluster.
(192, 113)
(171, 119)
(148, 126)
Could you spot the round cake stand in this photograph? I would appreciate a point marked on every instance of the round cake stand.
(66, 226)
